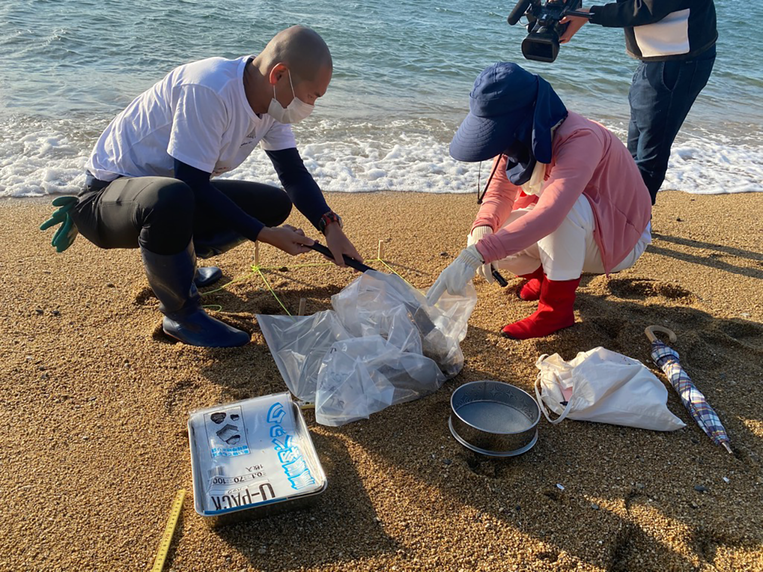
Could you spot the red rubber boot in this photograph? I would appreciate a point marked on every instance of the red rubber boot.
(555, 311)
(530, 290)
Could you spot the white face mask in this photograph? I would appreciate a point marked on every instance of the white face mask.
(296, 111)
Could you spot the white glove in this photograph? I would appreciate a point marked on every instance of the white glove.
(486, 270)
(457, 275)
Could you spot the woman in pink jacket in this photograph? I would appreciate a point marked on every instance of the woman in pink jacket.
(564, 197)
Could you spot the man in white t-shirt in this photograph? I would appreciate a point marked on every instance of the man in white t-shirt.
(148, 177)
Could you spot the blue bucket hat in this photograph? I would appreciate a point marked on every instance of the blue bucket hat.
(508, 103)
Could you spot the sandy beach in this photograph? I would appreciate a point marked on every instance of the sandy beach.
(95, 400)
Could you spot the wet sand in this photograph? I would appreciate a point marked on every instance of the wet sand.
(95, 400)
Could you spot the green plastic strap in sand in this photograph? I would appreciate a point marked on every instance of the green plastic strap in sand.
(258, 269)
(265, 280)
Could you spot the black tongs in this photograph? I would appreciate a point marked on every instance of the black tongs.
(357, 265)
(351, 262)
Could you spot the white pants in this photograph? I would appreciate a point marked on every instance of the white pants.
(568, 251)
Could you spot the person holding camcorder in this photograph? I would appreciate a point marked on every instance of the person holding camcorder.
(565, 197)
(675, 41)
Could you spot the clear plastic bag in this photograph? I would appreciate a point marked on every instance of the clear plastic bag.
(361, 376)
(364, 307)
(370, 307)
(382, 344)
(298, 344)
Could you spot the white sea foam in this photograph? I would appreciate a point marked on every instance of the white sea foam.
(395, 98)
(40, 158)
(707, 168)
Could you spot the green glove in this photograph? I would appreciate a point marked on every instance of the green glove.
(64, 236)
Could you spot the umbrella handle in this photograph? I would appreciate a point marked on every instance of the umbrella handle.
(650, 330)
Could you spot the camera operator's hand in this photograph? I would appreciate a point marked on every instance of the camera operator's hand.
(574, 24)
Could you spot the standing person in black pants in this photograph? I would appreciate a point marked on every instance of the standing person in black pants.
(149, 178)
(675, 41)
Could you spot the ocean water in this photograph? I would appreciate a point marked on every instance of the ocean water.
(403, 72)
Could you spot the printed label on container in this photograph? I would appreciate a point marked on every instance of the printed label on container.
(225, 432)
(292, 462)
(252, 454)
(235, 498)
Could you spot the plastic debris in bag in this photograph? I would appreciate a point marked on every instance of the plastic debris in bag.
(364, 375)
(382, 344)
(298, 344)
(364, 305)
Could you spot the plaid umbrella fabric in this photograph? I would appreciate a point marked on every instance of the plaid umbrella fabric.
(667, 359)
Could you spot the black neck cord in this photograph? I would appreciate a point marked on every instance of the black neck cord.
(490, 178)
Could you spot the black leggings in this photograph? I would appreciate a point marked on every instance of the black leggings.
(159, 213)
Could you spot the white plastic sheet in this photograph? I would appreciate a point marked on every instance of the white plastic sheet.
(382, 344)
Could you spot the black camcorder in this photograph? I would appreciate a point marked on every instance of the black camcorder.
(543, 27)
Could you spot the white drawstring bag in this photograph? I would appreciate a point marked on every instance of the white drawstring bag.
(605, 387)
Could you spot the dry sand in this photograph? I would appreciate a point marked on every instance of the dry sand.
(93, 445)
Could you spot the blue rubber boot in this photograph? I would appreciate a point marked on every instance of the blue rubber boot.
(171, 278)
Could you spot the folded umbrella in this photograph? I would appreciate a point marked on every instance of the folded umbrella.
(693, 399)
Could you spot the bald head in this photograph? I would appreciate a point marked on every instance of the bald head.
(302, 50)
(295, 63)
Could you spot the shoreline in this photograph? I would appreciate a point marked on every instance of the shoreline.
(96, 401)
(45, 199)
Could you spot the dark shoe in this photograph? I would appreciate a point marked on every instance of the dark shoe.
(171, 279)
(212, 245)
(205, 276)
(530, 290)
(555, 311)
(199, 329)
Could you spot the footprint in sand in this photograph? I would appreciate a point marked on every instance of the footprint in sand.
(144, 296)
(740, 330)
(640, 288)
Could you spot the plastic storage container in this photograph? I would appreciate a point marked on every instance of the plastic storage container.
(252, 458)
